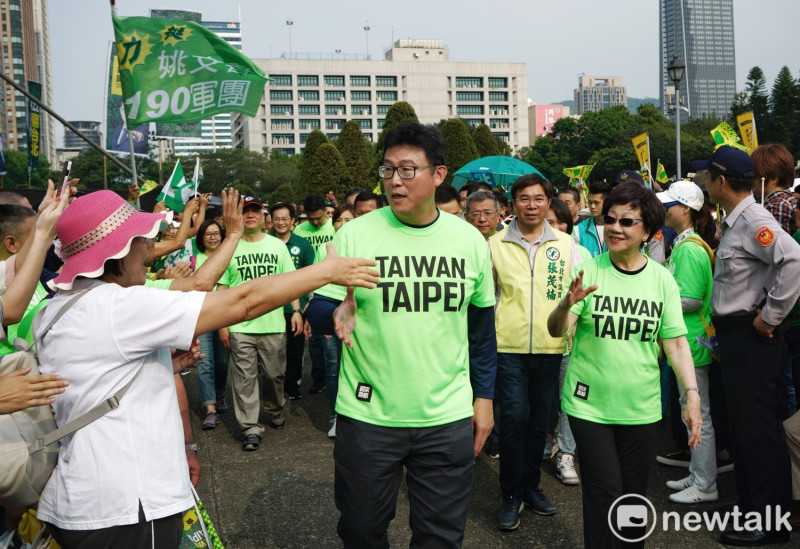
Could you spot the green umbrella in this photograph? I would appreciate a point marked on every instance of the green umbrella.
(497, 171)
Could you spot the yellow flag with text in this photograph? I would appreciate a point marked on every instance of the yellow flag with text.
(747, 127)
(641, 144)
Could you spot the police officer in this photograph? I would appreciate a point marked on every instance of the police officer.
(756, 282)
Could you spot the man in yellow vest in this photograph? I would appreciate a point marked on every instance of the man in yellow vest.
(532, 263)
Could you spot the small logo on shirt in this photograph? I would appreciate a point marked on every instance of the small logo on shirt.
(659, 236)
(552, 253)
(294, 250)
(765, 236)
(364, 392)
(581, 391)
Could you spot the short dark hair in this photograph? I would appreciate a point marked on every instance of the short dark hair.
(600, 187)
(529, 180)
(445, 193)
(340, 209)
(12, 219)
(284, 206)
(476, 186)
(773, 161)
(562, 212)
(366, 196)
(313, 203)
(421, 136)
(576, 196)
(355, 191)
(113, 266)
(738, 185)
(12, 197)
(500, 196)
(641, 198)
(201, 232)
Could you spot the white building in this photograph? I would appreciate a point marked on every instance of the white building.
(326, 91)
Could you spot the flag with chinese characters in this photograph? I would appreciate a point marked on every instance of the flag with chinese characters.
(661, 173)
(177, 191)
(34, 125)
(747, 127)
(173, 71)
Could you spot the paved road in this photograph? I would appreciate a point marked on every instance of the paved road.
(281, 496)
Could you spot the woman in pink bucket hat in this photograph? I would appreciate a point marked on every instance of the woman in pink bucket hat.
(123, 479)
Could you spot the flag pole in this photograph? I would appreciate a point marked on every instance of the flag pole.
(125, 121)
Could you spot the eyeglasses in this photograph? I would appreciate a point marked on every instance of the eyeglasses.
(213, 235)
(481, 213)
(668, 205)
(282, 219)
(626, 222)
(405, 172)
(525, 200)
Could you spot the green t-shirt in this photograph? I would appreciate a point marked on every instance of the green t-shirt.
(409, 365)
(161, 284)
(302, 255)
(691, 267)
(613, 375)
(251, 260)
(316, 237)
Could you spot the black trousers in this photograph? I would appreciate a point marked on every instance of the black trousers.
(752, 377)
(615, 461)
(162, 533)
(294, 357)
(369, 467)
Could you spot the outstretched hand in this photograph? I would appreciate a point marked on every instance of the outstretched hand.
(351, 271)
(344, 317)
(576, 292)
(232, 205)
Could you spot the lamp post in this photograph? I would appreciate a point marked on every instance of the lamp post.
(289, 24)
(675, 70)
(366, 32)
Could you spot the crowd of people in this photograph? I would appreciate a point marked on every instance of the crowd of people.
(545, 323)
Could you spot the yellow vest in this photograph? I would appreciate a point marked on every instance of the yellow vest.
(527, 297)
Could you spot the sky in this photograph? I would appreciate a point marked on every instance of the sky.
(558, 40)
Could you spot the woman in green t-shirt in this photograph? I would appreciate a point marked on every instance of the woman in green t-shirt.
(612, 390)
(691, 266)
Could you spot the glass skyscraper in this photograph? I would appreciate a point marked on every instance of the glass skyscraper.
(700, 33)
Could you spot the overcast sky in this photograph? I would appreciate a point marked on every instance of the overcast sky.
(557, 40)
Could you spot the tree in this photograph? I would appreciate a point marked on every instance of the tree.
(284, 193)
(461, 148)
(398, 113)
(93, 169)
(353, 148)
(485, 142)
(315, 139)
(326, 170)
(230, 168)
(757, 100)
(17, 171)
(785, 103)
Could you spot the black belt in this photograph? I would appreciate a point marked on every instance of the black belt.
(732, 322)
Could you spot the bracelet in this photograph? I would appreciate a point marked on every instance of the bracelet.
(190, 447)
(298, 311)
(686, 390)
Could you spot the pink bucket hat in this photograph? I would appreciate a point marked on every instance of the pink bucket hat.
(97, 227)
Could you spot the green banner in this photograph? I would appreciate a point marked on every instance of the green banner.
(173, 71)
(34, 125)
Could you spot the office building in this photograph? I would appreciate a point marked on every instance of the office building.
(542, 117)
(599, 92)
(26, 56)
(90, 129)
(319, 91)
(700, 33)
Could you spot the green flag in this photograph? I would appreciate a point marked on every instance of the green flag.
(179, 71)
(177, 192)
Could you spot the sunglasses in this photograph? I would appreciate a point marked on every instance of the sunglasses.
(626, 222)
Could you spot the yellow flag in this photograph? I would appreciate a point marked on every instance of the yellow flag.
(641, 144)
(723, 134)
(579, 172)
(661, 173)
(377, 189)
(147, 186)
(747, 127)
(116, 87)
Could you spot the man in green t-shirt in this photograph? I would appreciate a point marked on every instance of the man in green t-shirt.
(263, 339)
(302, 255)
(417, 372)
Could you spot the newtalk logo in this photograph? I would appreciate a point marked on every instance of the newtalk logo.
(633, 518)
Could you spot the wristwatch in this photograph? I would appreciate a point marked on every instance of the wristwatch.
(192, 447)
(298, 311)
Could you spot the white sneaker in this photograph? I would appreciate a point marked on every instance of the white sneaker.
(565, 470)
(693, 495)
(332, 431)
(681, 484)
